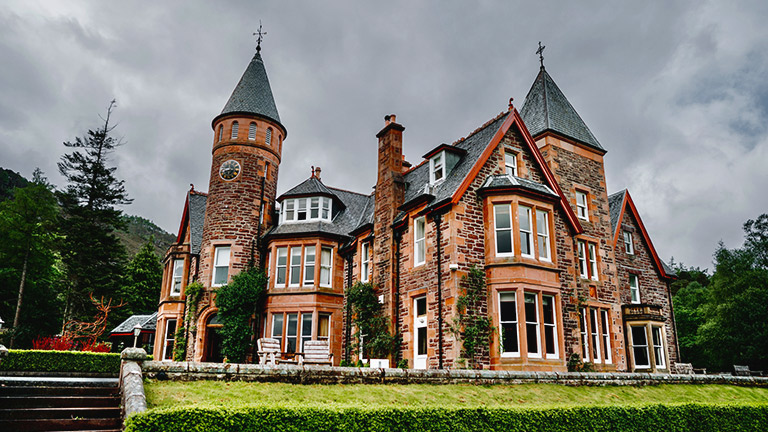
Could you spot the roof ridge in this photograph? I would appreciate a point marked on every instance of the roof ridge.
(485, 125)
(347, 190)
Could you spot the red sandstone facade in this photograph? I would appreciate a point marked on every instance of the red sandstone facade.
(530, 207)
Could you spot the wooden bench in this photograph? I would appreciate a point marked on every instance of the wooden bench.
(269, 350)
(316, 352)
(683, 368)
(744, 371)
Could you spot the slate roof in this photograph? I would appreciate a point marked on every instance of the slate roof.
(342, 224)
(614, 204)
(546, 108)
(148, 322)
(504, 180)
(253, 94)
(417, 180)
(310, 186)
(196, 221)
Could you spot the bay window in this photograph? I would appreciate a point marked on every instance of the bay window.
(532, 336)
(309, 265)
(550, 326)
(220, 265)
(306, 209)
(170, 339)
(326, 256)
(291, 332)
(502, 216)
(178, 275)
(658, 347)
(640, 347)
(281, 267)
(323, 326)
(542, 234)
(295, 266)
(306, 329)
(508, 324)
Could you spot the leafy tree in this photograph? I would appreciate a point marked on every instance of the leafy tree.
(93, 257)
(143, 277)
(736, 327)
(370, 321)
(28, 235)
(238, 301)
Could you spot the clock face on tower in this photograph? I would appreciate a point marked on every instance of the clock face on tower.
(229, 170)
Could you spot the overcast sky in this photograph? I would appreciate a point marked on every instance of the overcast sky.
(677, 92)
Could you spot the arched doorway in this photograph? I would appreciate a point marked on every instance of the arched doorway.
(212, 346)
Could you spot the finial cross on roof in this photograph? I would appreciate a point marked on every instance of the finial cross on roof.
(260, 35)
(540, 52)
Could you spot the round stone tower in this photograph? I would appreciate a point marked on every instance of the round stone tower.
(247, 143)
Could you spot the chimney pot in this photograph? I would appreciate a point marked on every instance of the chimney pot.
(317, 172)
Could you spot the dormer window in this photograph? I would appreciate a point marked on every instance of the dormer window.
(306, 209)
(252, 132)
(437, 168)
(235, 129)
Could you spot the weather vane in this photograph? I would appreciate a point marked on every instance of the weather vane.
(540, 52)
(260, 35)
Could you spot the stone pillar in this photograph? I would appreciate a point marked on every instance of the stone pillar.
(131, 381)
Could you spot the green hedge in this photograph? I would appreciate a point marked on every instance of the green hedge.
(60, 361)
(683, 418)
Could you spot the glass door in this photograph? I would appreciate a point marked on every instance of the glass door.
(420, 333)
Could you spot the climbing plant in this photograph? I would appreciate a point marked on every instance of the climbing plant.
(237, 302)
(369, 321)
(471, 327)
(193, 292)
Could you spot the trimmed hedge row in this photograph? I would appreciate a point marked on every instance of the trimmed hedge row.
(683, 418)
(61, 361)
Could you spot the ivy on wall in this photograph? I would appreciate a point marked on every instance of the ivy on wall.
(237, 302)
(471, 327)
(369, 321)
(193, 292)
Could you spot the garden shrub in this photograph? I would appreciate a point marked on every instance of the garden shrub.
(687, 417)
(61, 361)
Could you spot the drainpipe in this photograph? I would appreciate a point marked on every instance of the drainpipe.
(348, 325)
(674, 323)
(397, 238)
(438, 219)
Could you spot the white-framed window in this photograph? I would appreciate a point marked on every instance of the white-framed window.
(252, 131)
(583, 269)
(306, 329)
(593, 261)
(220, 265)
(606, 333)
(235, 129)
(326, 258)
(437, 168)
(323, 326)
(532, 336)
(550, 326)
(542, 234)
(268, 138)
(595, 333)
(309, 265)
(419, 241)
(640, 347)
(170, 339)
(629, 248)
(584, 335)
(510, 163)
(634, 289)
(178, 275)
(510, 344)
(502, 220)
(291, 332)
(582, 211)
(295, 278)
(221, 132)
(277, 327)
(365, 261)
(306, 209)
(281, 266)
(658, 347)
(526, 231)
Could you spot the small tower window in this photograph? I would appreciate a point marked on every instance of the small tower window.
(235, 128)
(269, 137)
(221, 132)
(252, 132)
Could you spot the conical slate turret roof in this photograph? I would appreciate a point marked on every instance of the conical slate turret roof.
(253, 95)
(547, 108)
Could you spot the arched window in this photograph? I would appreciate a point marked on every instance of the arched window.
(221, 132)
(252, 131)
(269, 136)
(235, 128)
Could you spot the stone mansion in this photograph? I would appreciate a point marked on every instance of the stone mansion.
(569, 267)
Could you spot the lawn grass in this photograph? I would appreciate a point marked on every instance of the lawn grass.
(222, 393)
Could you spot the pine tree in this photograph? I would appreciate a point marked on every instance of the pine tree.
(142, 281)
(28, 236)
(93, 256)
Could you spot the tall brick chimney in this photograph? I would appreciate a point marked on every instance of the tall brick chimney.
(390, 192)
